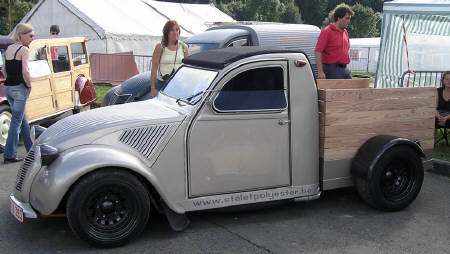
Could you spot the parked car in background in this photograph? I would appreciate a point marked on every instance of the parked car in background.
(289, 36)
(60, 79)
(5, 113)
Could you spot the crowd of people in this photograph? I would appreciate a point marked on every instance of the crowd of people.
(331, 52)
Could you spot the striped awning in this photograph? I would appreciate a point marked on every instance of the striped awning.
(394, 59)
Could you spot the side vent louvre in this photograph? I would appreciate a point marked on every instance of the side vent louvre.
(145, 139)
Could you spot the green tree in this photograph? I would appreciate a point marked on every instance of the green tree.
(11, 12)
(313, 11)
(363, 24)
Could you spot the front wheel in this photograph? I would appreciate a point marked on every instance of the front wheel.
(396, 180)
(5, 121)
(108, 208)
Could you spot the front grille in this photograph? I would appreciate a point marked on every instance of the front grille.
(145, 139)
(26, 165)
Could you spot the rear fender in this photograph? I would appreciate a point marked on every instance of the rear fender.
(370, 153)
(84, 92)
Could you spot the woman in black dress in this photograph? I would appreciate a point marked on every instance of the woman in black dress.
(443, 102)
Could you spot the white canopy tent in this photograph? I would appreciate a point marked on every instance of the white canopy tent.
(364, 54)
(415, 37)
(113, 26)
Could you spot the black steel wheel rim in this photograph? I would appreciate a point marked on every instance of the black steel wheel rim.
(397, 180)
(111, 212)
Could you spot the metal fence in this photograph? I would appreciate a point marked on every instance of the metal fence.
(116, 68)
(421, 79)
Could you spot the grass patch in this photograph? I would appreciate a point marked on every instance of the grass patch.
(363, 74)
(101, 90)
(441, 150)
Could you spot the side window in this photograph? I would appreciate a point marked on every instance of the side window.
(78, 53)
(238, 43)
(60, 58)
(38, 64)
(253, 90)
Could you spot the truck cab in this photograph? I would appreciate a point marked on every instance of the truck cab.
(233, 126)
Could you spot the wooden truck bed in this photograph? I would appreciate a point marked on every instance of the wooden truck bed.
(351, 113)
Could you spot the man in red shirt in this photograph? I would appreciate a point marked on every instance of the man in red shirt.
(333, 46)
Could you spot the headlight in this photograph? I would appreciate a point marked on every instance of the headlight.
(48, 154)
(36, 131)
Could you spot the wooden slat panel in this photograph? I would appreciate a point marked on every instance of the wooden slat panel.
(368, 117)
(65, 100)
(62, 83)
(358, 140)
(337, 154)
(377, 105)
(39, 107)
(40, 88)
(342, 83)
(376, 127)
(375, 93)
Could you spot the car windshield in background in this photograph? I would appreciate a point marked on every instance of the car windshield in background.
(189, 83)
(198, 47)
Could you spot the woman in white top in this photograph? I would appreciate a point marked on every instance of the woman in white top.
(167, 56)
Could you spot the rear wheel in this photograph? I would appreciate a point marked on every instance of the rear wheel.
(108, 208)
(396, 180)
(5, 121)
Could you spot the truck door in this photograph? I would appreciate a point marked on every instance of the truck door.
(239, 140)
(41, 100)
(62, 77)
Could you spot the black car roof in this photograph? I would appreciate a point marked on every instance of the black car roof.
(219, 58)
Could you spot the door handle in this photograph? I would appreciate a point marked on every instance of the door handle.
(284, 122)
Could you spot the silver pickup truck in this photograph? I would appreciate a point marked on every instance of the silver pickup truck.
(233, 126)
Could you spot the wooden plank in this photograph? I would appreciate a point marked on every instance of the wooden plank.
(337, 154)
(65, 100)
(342, 83)
(40, 88)
(376, 127)
(368, 117)
(377, 105)
(358, 140)
(39, 107)
(375, 93)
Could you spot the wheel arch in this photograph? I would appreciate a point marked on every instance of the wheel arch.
(155, 197)
(51, 187)
(373, 149)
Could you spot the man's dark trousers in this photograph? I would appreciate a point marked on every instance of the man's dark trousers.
(336, 71)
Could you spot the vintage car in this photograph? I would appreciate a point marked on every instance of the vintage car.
(60, 80)
(233, 126)
(292, 36)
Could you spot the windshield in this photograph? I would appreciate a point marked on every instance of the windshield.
(198, 47)
(188, 82)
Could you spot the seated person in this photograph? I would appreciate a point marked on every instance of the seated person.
(443, 102)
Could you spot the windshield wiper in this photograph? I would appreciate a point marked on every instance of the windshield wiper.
(189, 98)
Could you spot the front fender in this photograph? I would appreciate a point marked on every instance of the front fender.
(53, 182)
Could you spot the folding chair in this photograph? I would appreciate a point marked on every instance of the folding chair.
(445, 132)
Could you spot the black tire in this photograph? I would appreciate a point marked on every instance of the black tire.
(396, 180)
(108, 208)
(5, 120)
